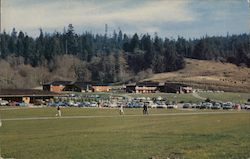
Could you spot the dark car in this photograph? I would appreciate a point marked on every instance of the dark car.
(186, 105)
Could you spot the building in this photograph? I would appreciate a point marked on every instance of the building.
(55, 86)
(100, 88)
(143, 87)
(153, 87)
(176, 88)
(186, 89)
(26, 95)
(78, 87)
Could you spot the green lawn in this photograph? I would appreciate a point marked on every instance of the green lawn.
(135, 137)
(227, 96)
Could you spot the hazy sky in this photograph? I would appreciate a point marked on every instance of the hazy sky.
(169, 18)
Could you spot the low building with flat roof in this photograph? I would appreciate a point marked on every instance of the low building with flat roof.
(56, 86)
(27, 95)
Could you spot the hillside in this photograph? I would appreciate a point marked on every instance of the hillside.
(209, 75)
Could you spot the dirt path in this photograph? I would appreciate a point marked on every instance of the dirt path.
(196, 95)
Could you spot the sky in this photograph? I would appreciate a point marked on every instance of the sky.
(167, 18)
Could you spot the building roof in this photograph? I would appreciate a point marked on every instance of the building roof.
(76, 83)
(175, 86)
(148, 84)
(57, 83)
(100, 84)
(26, 92)
(80, 84)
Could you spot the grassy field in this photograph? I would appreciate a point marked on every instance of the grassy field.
(227, 96)
(135, 137)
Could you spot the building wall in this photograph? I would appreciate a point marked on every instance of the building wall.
(186, 90)
(53, 88)
(56, 88)
(145, 89)
(26, 100)
(101, 88)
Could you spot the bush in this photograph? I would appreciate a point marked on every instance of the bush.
(208, 100)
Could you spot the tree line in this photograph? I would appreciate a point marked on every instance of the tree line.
(119, 57)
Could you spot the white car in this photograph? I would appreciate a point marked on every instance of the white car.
(172, 106)
(113, 104)
(247, 105)
(161, 105)
(151, 104)
(93, 104)
(4, 102)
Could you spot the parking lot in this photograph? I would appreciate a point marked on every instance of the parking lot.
(125, 101)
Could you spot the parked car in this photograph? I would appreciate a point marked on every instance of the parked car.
(105, 104)
(38, 102)
(186, 105)
(216, 106)
(22, 104)
(71, 103)
(206, 105)
(113, 104)
(160, 104)
(138, 105)
(3, 102)
(227, 105)
(247, 105)
(93, 104)
(56, 104)
(194, 105)
(12, 103)
(86, 104)
(242, 106)
(151, 104)
(171, 106)
(198, 106)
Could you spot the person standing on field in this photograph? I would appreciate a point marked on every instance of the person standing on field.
(121, 110)
(145, 109)
(59, 111)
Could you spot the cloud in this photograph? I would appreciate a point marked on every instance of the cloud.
(56, 14)
(167, 17)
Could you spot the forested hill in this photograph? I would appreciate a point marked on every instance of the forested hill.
(111, 58)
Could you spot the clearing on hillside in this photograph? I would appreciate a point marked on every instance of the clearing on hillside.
(209, 75)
